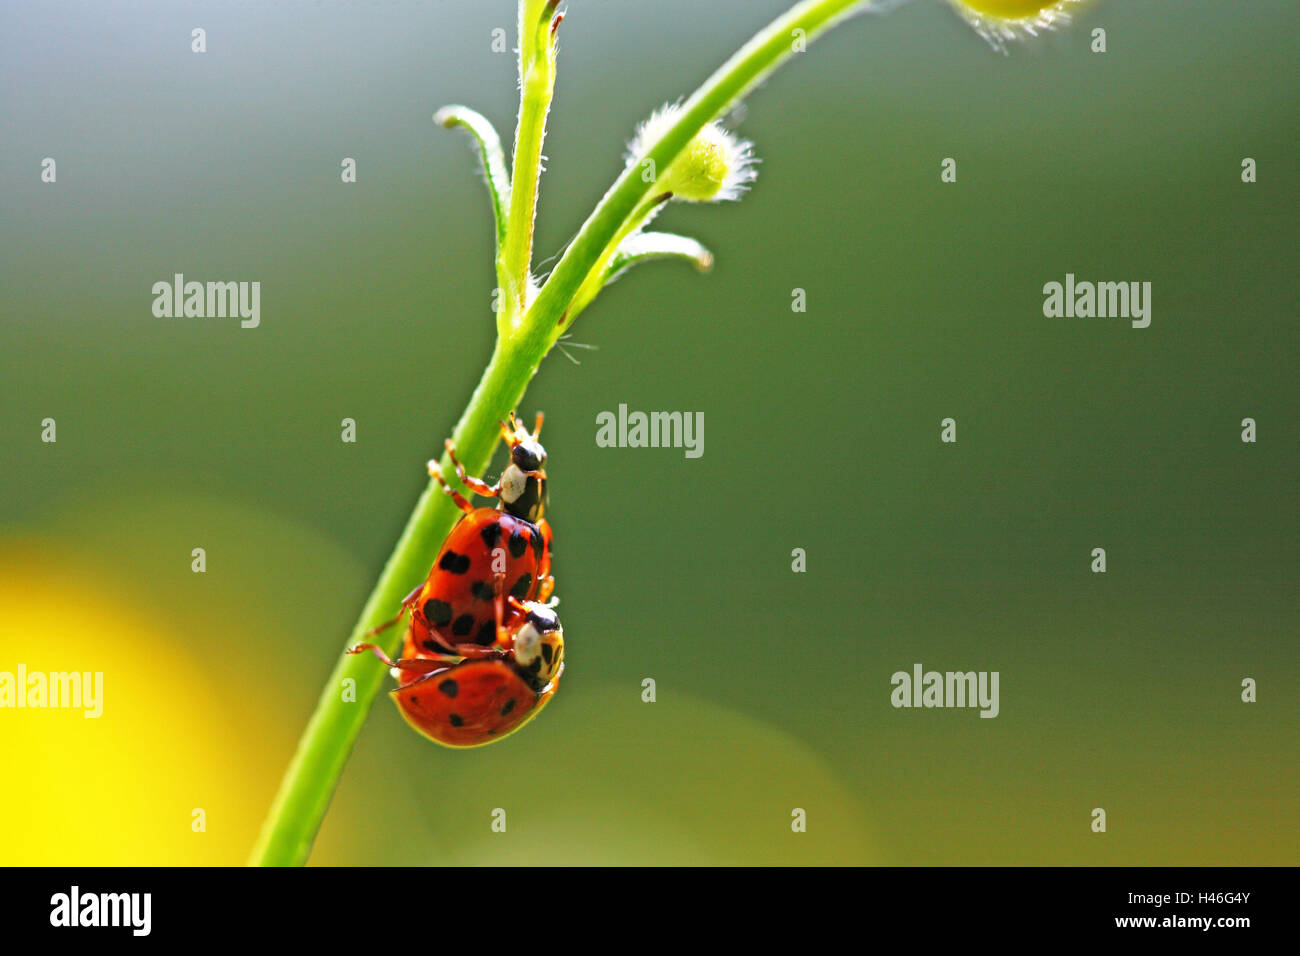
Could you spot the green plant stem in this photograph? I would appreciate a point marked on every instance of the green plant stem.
(313, 774)
(536, 87)
(598, 275)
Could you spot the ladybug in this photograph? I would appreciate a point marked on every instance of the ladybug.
(454, 605)
(471, 699)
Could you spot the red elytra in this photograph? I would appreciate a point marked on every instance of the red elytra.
(454, 606)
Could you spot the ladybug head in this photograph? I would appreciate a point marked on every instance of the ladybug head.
(539, 645)
(523, 483)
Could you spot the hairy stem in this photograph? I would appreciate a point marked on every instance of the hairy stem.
(536, 86)
(598, 274)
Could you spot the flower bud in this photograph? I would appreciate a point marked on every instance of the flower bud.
(715, 166)
(1001, 20)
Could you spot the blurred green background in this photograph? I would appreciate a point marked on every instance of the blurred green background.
(1119, 690)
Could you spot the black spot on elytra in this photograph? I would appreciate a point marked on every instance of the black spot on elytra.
(491, 534)
(510, 705)
(429, 644)
(454, 563)
(537, 544)
(518, 544)
(483, 590)
(522, 585)
(464, 624)
(437, 612)
(487, 633)
(547, 652)
(455, 720)
(449, 687)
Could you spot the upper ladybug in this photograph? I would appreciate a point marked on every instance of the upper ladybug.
(507, 547)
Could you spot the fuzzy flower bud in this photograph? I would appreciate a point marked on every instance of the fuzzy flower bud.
(999, 21)
(715, 166)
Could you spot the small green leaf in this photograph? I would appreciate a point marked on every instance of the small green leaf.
(645, 246)
(494, 160)
(637, 248)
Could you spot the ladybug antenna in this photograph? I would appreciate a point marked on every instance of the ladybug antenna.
(510, 432)
(514, 433)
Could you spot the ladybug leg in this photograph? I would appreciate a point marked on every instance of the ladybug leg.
(424, 665)
(379, 652)
(421, 665)
(407, 603)
(473, 484)
(456, 496)
(476, 652)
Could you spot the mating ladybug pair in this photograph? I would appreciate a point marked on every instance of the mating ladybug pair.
(484, 650)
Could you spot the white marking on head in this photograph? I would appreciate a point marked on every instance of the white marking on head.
(513, 483)
(528, 645)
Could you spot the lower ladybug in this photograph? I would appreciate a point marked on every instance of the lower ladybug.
(481, 695)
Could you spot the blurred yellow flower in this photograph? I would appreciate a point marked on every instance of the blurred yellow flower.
(161, 776)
